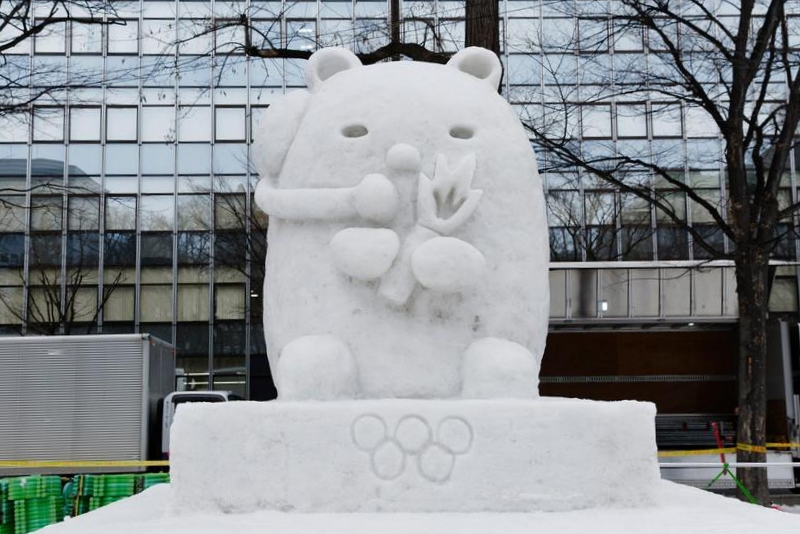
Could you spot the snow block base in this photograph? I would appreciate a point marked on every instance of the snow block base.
(414, 456)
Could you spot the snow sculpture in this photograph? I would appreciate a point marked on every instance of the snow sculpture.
(408, 257)
(408, 242)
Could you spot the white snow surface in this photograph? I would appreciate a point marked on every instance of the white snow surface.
(426, 155)
(401, 455)
(679, 510)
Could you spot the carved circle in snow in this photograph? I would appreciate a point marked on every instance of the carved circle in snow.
(407, 221)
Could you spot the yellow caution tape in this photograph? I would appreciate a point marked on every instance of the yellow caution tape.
(667, 454)
(730, 450)
(82, 463)
(746, 447)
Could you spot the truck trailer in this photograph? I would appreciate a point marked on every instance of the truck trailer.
(82, 398)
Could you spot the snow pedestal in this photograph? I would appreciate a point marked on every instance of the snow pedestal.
(414, 456)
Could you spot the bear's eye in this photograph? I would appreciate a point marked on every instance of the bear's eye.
(355, 130)
(461, 132)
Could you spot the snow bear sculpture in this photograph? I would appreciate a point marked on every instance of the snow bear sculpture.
(408, 248)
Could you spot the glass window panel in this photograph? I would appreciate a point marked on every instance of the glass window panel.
(156, 304)
(14, 129)
(157, 184)
(157, 36)
(194, 212)
(158, 124)
(46, 213)
(699, 213)
(194, 248)
(229, 301)
(783, 297)
(123, 37)
(119, 249)
(699, 123)
(194, 158)
(229, 338)
(673, 243)
(121, 124)
(83, 249)
(193, 37)
(85, 164)
(230, 124)
(156, 250)
(158, 159)
(666, 120)
(195, 71)
(194, 184)
(122, 159)
(157, 213)
(230, 159)
(195, 123)
(10, 304)
(192, 339)
(12, 213)
(120, 213)
(87, 38)
(120, 304)
(52, 39)
(12, 250)
(596, 121)
(193, 302)
(122, 184)
(230, 212)
(46, 250)
(600, 209)
(84, 213)
(632, 120)
(84, 124)
(229, 40)
(48, 124)
(674, 201)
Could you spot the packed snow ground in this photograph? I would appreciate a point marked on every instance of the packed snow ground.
(681, 510)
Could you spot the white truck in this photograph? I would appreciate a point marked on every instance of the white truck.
(87, 398)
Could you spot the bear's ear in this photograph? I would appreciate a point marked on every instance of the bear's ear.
(327, 62)
(275, 133)
(480, 63)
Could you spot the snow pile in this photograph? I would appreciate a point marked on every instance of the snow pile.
(679, 510)
(413, 456)
(407, 221)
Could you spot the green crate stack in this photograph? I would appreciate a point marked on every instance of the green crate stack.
(6, 509)
(149, 480)
(29, 503)
(33, 487)
(33, 514)
(113, 485)
(77, 493)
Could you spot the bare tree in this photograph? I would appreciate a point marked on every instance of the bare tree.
(416, 35)
(49, 23)
(62, 293)
(731, 73)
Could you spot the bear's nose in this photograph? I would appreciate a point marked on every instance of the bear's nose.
(403, 157)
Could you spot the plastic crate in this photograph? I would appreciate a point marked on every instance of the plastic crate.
(113, 485)
(33, 514)
(6, 512)
(7, 529)
(33, 487)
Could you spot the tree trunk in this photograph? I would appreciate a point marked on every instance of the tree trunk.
(751, 279)
(483, 24)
